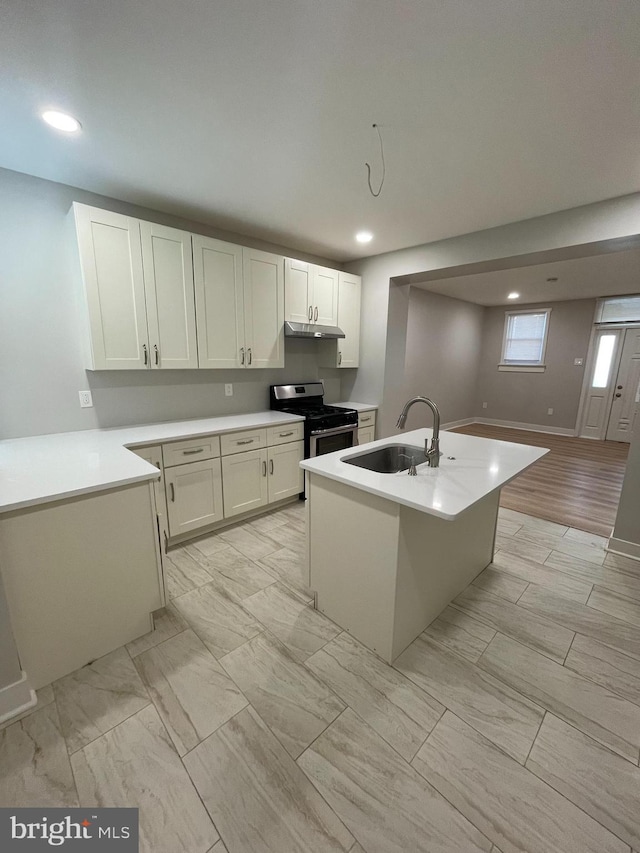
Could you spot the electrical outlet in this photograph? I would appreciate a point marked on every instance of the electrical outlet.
(578, 362)
(484, 405)
(228, 390)
(86, 401)
(549, 411)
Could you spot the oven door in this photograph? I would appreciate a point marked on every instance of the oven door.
(328, 440)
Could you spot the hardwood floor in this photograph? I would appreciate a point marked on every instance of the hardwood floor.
(577, 484)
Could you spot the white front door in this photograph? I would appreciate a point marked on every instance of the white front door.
(606, 348)
(626, 394)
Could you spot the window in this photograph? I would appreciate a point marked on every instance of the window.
(618, 309)
(603, 361)
(525, 340)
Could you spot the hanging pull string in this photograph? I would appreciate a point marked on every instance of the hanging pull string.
(376, 194)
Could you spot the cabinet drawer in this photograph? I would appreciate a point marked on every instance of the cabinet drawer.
(285, 434)
(366, 419)
(237, 442)
(192, 450)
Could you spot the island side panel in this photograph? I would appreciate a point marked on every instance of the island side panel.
(437, 559)
(81, 578)
(353, 548)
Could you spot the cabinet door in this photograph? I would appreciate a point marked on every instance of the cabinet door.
(263, 308)
(298, 288)
(111, 262)
(349, 320)
(366, 434)
(244, 477)
(219, 302)
(168, 280)
(325, 296)
(286, 477)
(153, 455)
(194, 495)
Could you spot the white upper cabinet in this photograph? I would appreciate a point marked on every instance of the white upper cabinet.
(263, 276)
(298, 291)
(239, 305)
(325, 296)
(219, 302)
(311, 293)
(168, 279)
(111, 264)
(349, 320)
(345, 352)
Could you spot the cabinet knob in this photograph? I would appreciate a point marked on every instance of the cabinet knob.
(157, 353)
(264, 469)
(310, 312)
(339, 357)
(241, 355)
(146, 354)
(250, 355)
(315, 315)
(271, 468)
(173, 492)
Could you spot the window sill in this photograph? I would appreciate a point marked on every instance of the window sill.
(523, 368)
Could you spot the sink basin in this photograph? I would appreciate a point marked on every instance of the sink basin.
(388, 459)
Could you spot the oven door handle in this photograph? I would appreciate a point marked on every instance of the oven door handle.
(336, 431)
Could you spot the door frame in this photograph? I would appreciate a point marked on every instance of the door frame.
(588, 375)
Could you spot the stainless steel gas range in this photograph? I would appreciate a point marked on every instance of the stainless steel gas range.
(326, 428)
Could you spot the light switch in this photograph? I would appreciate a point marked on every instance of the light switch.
(228, 390)
(549, 411)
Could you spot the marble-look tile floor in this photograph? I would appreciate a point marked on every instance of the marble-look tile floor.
(247, 722)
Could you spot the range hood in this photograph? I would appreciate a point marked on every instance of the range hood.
(311, 330)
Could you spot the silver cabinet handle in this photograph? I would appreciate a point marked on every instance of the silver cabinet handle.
(166, 542)
(365, 420)
(241, 355)
(157, 353)
(315, 315)
(310, 312)
(173, 492)
(285, 434)
(264, 469)
(146, 354)
(246, 441)
(339, 357)
(271, 468)
(191, 452)
(250, 355)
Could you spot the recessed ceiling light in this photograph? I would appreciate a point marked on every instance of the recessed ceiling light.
(61, 121)
(513, 295)
(364, 236)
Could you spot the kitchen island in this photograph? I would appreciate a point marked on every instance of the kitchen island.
(388, 552)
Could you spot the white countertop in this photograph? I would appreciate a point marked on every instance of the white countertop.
(359, 407)
(47, 468)
(480, 466)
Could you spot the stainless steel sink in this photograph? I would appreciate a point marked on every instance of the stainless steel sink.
(388, 459)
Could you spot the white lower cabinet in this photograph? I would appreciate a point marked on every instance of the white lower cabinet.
(366, 434)
(286, 477)
(153, 455)
(194, 495)
(245, 481)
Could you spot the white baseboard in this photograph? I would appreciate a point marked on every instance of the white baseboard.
(454, 424)
(624, 548)
(16, 698)
(527, 427)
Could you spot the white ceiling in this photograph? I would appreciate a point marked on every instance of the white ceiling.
(610, 274)
(256, 116)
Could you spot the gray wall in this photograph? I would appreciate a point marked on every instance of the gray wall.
(41, 364)
(444, 338)
(525, 397)
(627, 526)
(606, 223)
